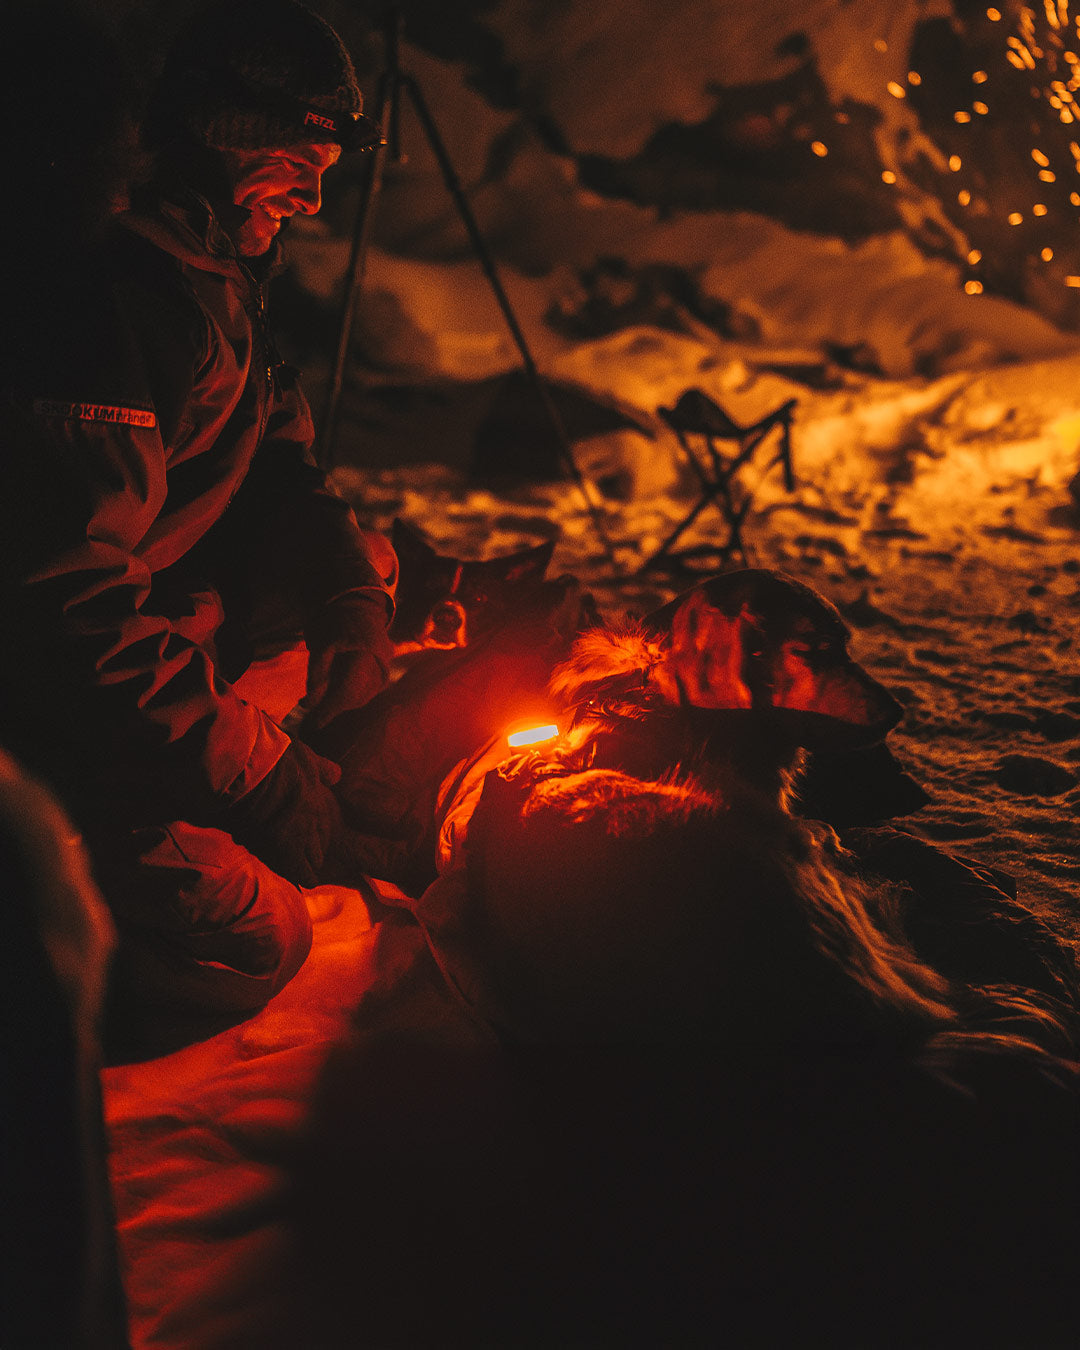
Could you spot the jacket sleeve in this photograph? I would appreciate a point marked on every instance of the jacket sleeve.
(289, 521)
(115, 690)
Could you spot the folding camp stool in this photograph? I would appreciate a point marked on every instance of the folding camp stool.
(695, 414)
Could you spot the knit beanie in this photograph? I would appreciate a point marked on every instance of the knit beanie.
(252, 73)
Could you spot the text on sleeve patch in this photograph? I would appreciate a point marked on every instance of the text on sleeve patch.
(94, 412)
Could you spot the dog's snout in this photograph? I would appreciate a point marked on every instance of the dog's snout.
(447, 621)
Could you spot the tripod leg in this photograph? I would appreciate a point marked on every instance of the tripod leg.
(483, 254)
(386, 115)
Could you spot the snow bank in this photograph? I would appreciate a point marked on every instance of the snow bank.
(945, 457)
(606, 76)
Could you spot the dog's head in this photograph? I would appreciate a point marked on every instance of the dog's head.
(759, 640)
(749, 642)
(444, 602)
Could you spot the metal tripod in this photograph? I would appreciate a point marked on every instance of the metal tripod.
(393, 83)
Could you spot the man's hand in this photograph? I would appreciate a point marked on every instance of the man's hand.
(291, 819)
(296, 823)
(349, 657)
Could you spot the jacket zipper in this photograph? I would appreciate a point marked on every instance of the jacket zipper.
(265, 347)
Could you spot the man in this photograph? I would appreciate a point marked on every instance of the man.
(164, 526)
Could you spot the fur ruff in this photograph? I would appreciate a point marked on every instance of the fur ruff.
(604, 659)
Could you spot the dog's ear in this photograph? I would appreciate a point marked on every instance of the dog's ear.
(425, 576)
(704, 665)
(728, 592)
(410, 545)
(528, 564)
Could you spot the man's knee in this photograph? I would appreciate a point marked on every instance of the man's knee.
(204, 925)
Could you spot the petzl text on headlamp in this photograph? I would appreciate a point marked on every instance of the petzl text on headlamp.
(352, 131)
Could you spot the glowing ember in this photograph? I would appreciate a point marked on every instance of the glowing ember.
(533, 735)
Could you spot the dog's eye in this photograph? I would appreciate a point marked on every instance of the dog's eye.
(818, 647)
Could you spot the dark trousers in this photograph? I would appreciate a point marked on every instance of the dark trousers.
(207, 931)
(204, 926)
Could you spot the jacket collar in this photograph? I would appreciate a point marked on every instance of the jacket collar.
(182, 222)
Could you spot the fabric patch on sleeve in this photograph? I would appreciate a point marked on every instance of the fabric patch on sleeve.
(95, 412)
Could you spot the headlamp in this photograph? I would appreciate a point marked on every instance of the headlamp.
(352, 131)
(304, 121)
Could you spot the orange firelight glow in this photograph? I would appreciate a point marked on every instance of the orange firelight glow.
(533, 735)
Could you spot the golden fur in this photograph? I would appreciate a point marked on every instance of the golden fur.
(602, 656)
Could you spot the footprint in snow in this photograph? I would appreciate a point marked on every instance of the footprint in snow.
(1032, 776)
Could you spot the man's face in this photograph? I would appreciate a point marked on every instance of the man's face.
(275, 183)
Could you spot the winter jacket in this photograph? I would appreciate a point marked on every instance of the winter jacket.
(158, 477)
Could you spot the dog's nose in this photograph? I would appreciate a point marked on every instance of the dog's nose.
(448, 622)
